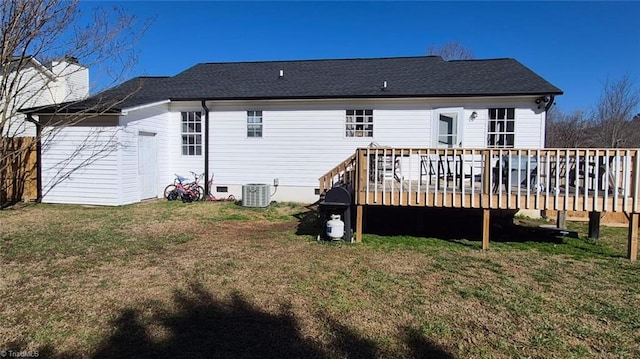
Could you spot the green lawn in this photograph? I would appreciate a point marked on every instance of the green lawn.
(199, 280)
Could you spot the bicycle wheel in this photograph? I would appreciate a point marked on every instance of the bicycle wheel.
(170, 192)
(200, 192)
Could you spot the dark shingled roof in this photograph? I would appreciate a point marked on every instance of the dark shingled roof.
(424, 76)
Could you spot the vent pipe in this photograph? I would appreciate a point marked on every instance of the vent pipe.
(281, 74)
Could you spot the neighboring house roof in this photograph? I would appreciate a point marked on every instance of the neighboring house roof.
(424, 76)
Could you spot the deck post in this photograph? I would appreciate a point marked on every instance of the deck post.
(633, 236)
(485, 228)
(561, 221)
(594, 225)
(359, 219)
(362, 167)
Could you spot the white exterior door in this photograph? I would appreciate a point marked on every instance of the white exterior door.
(448, 128)
(147, 164)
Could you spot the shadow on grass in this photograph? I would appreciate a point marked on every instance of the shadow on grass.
(463, 228)
(452, 225)
(205, 327)
(420, 347)
(308, 222)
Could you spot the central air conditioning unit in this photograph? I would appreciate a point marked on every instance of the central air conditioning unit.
(256, 195)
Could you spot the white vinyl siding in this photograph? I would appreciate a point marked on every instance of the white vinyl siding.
(529, 129)
(73, 81)
(305, 139)
(474, 134)
(155, 120)
(80, 165)
(70, 82)
(99, 164)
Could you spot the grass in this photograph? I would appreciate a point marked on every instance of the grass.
(167, 279)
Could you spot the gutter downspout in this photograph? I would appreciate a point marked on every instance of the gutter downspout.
(206, 148)
(38, 157)
(547, 107)
(551, 102)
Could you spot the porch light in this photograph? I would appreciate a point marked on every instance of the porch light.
(473, 116)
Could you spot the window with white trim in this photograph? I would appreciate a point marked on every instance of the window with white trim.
(191, 133)
(359, 123)
(254, 123)
(501, 132)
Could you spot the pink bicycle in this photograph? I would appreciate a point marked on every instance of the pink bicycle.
(187, 192)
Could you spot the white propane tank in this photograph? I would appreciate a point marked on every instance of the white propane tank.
(335, 227)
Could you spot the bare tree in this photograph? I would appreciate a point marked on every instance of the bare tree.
(42, 44)
(634, 131)
(614, 112)
(452, 50)
(567, 130)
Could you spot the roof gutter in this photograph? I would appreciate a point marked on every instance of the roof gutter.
(367, 96)
(125, 111)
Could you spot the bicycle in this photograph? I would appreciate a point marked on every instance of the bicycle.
(211, 197)
(187, 192)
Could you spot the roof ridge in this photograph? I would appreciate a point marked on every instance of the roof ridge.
(151, 77)
(319, 60)
(478, 60)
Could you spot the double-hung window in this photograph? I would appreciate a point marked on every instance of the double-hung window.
(359, 123)
(191, 133)
(501, 131)
(254, 123)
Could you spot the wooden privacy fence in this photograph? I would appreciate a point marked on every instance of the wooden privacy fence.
(588, 180)
(18, 170)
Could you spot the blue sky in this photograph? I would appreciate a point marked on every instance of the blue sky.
(574, 45)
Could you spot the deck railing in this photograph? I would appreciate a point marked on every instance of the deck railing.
(560, 179)
(344, 173)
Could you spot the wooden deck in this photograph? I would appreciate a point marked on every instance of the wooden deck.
(590, 180)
